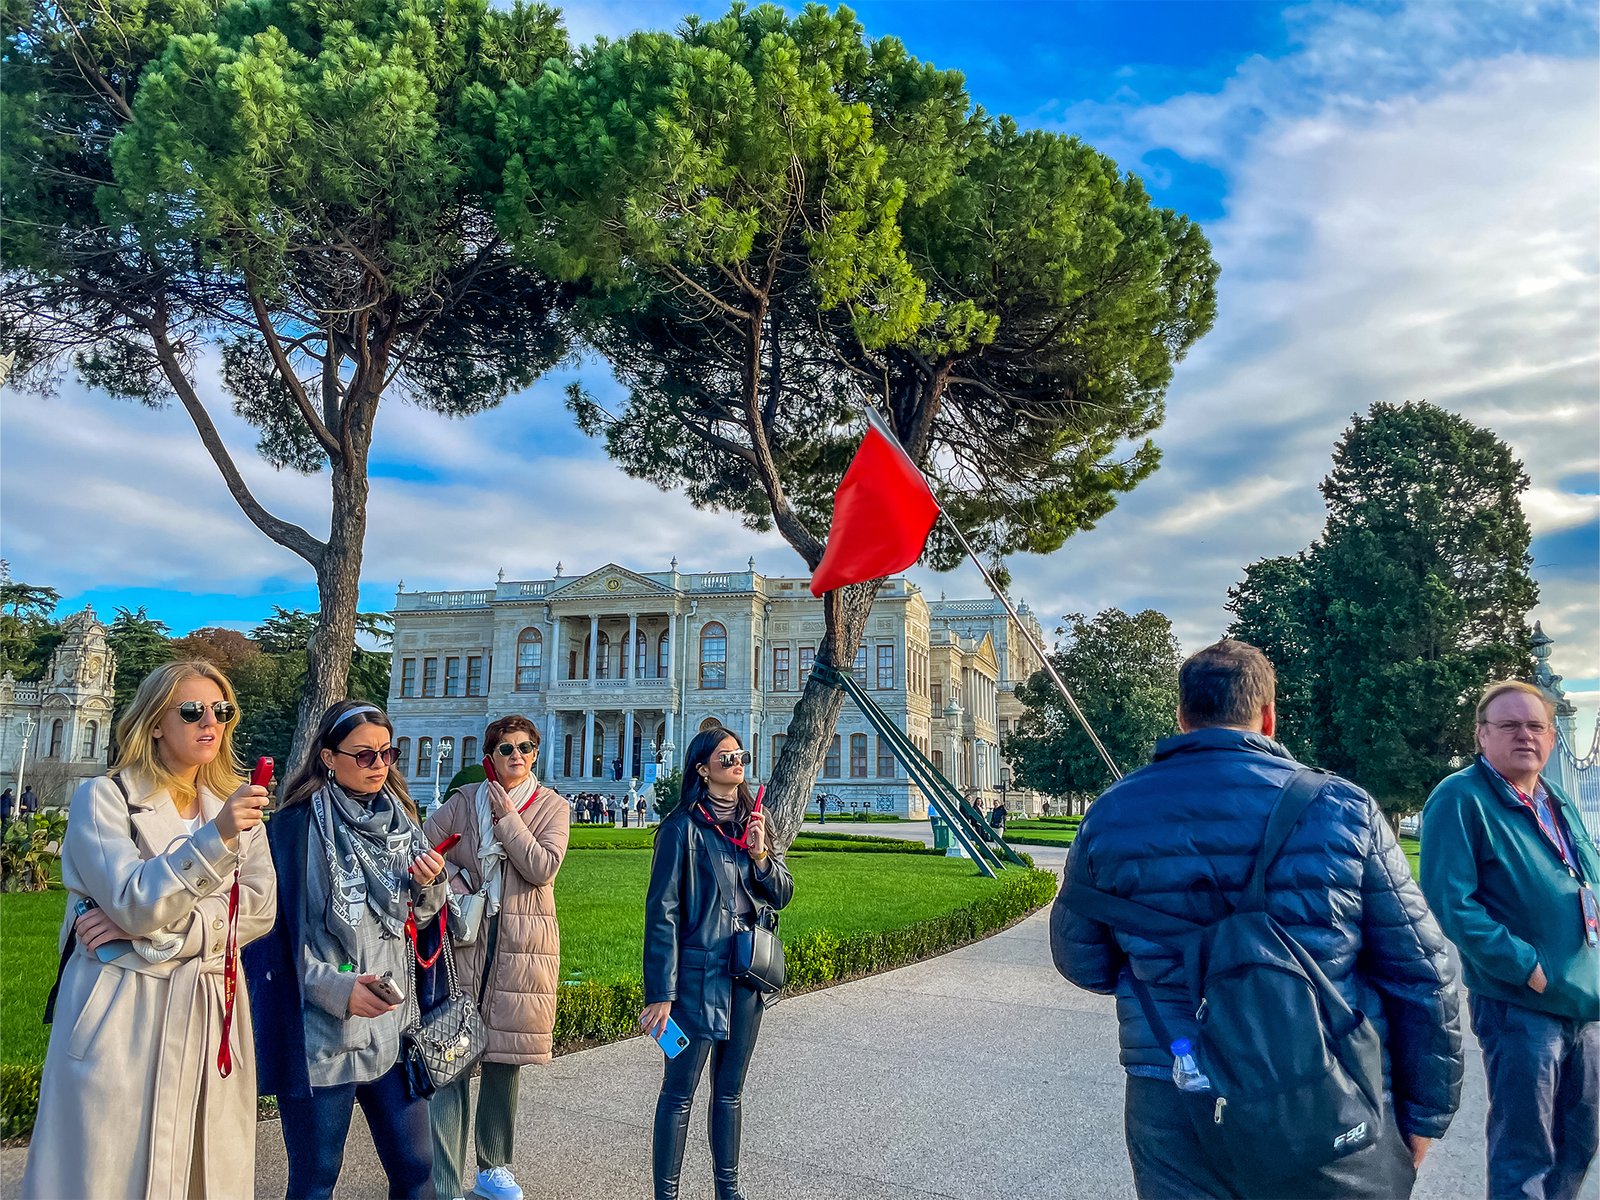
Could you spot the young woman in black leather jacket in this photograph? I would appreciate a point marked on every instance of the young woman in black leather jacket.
(712, 873)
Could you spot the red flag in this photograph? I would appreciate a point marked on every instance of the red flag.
(882, 515)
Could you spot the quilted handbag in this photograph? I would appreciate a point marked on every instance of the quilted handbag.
(444, 1042)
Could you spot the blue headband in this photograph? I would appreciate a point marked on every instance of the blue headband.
(354, 712)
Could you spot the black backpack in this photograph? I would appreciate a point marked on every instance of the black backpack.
(1296, 1073)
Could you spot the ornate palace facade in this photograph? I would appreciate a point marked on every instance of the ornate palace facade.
(620, 668)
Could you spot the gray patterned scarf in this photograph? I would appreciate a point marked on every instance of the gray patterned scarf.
(367, 848)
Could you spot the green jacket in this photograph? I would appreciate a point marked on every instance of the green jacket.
(1504, 897)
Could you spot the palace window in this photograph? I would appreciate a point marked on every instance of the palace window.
(530, 659)
(830, 765)
(55, 739)
(808, 655)
(403, 761)
(475, 675)
(424, 756)
(858, 756)
(91, 736)
(452, 676)
(777, 746)
(469, 751)
(430, 677)
(663, 655)
(713, 656)
(780, 668)
(641, 655)
(936, 694)
(597, 753)
(886, 668)
(885, 759)
(408, 677)
(859, 667)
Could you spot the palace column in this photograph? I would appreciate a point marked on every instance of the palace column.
(628, 768)
(588, 743)
(629, 655)
(594, 643)
(555, 650)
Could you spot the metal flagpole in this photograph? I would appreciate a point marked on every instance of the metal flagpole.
(882, 427)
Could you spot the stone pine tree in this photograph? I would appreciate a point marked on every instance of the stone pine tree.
(287, 189)
(1415, 597)
(782, 222)
(1123, 671)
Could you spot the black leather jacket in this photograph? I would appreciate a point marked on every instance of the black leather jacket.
(689, 920)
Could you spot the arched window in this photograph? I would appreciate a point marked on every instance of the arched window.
(858, 756)
(663, 656)
(530, 660)
(403, 763)
(641, 652)
(447, 764)
(566, 758)
(55, 740)
(91, 739)
(830, 765)
(424, 757)
(602, 657)
(469, 751)
(597, 751)
(713, 656)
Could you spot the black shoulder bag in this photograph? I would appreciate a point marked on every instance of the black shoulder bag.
(757, 957)
(72, 937)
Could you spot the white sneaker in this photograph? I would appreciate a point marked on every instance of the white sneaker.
(498, 1183)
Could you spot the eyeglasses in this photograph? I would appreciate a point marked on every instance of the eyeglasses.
(190, 711)
(367, 759)
(506, 749)
(731, 758)
(1510, 728)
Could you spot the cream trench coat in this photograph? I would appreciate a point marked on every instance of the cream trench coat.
(131, 1103)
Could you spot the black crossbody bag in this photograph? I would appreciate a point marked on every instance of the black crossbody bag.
(757, 957)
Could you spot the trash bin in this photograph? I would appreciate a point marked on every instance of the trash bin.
(941, 831)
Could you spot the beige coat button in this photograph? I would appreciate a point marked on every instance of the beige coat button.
(188, 864)
(217, 924)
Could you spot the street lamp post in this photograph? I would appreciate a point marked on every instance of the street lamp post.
(446, 748)
(22, 755)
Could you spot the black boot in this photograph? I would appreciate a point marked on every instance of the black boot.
(666, 1151)
(727, 1118)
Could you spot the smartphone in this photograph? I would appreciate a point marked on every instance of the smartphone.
(488, 769)
(444, 846)
(386, 989)
(109, 951)
(672, 1040)
(262, 775)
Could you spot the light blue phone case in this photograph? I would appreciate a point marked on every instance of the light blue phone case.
(673, 1041)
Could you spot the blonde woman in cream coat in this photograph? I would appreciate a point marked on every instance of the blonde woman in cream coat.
(132, 1102)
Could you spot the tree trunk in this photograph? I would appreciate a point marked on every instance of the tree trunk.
(338, 595)
(817, 715)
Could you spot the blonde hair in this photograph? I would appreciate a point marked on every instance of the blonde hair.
(137, 749)
(1506, 687)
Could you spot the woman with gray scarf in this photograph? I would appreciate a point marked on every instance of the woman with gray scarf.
(352, 867)
(503, 870)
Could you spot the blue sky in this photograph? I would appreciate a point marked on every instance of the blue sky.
(1403, 199)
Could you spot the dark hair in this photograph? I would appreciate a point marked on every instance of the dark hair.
(698, 754)
(1228, 683)
(338, 723)
(504, 725)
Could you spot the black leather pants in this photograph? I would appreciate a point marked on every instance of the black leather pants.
(729, 1062)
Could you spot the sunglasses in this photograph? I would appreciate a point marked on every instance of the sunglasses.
(367, 759)
(731, 758)
(190, 711)
(506, 749)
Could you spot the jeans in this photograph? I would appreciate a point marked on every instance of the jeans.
(1171, 1161)
(1544, 1098)
(314, 1133)
(729, 1060)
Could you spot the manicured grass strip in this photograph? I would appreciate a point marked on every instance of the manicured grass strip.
(30, 923)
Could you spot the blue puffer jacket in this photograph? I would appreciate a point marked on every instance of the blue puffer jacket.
(1175, 834)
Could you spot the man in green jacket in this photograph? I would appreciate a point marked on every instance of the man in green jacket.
(1510, 872)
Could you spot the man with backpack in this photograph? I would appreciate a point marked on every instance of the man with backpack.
(1286, 1002)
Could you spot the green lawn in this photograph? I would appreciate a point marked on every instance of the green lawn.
(600, 896)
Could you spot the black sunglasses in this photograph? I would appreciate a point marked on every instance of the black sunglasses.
(190, 711)
(506, 749)
(367, 759)
(730, 758)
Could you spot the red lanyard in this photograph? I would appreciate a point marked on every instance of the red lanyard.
(411, 932)
(230, 980)
(742, 841)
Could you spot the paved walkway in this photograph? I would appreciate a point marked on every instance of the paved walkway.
(978, 1075)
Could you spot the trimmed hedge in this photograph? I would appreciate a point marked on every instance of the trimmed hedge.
(588, 1013)
(19, 1097)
